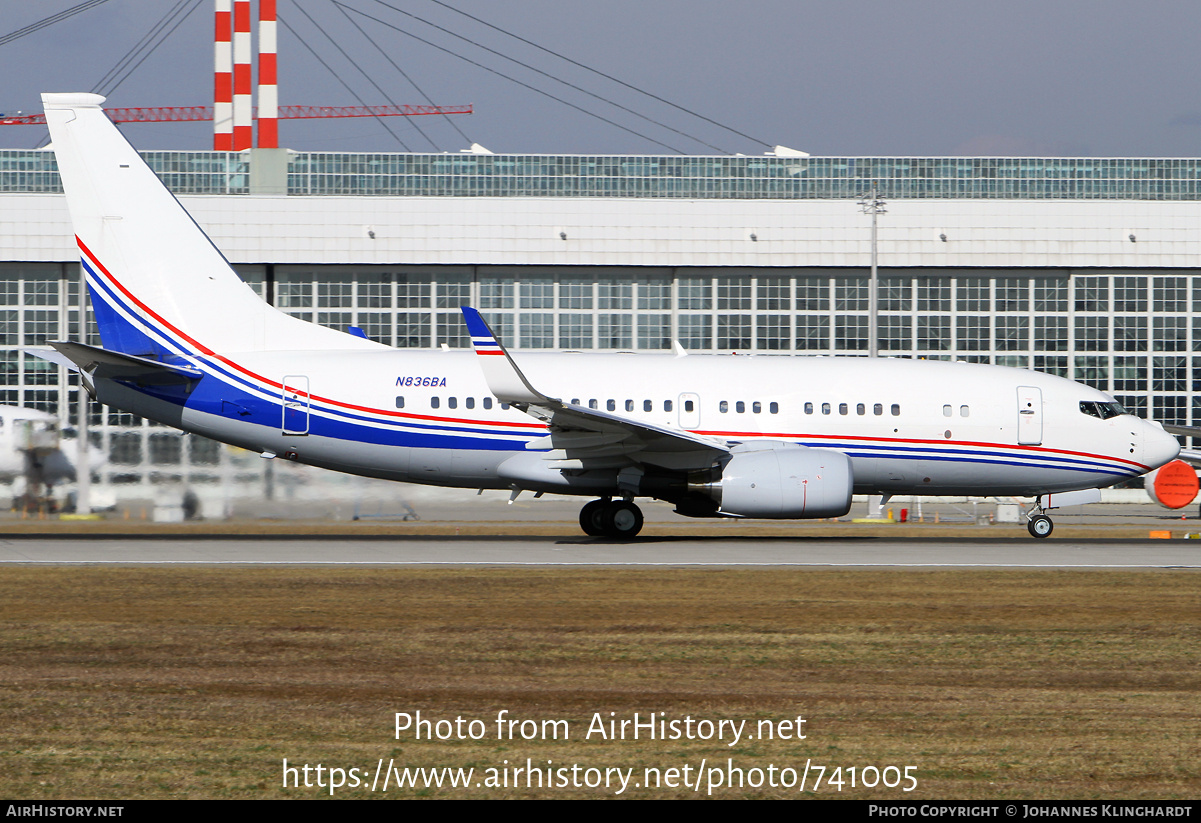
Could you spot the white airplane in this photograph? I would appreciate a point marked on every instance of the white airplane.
(29, 445)
(187, 343)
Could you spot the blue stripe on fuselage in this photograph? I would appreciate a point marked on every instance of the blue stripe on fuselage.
(226, 394)
(117, 333)
(1017, 463)
(244, 402)
(246, 395)
(217, 397)
(1023, 456)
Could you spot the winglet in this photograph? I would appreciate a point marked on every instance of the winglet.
(504, 379)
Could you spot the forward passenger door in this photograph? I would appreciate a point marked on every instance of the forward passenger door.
(1030, 416)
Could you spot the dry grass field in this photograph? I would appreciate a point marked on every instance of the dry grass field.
(198, 682)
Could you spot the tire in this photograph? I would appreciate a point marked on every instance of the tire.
(1040, 526)
(622, 519)
(592, 518)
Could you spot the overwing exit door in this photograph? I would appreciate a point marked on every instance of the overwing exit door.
(690, 411)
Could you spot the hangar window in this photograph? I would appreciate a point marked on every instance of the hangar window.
(400, 402)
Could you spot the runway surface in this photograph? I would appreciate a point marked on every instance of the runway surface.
(395, 550)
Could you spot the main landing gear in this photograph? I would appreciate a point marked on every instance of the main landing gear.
(1037, 522)
(611, 518)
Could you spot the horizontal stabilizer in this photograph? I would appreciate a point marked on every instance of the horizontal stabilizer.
(117, 365)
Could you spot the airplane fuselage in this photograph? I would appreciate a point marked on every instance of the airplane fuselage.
(924, 427)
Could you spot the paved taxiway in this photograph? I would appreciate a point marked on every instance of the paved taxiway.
(393, 550)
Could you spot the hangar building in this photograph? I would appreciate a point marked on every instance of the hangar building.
(1082, 267)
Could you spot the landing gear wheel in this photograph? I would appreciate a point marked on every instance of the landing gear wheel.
(1040, 526)
(621, 519)
(592, 517)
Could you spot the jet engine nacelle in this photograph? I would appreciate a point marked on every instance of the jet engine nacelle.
(1173, 486)
(784, 482)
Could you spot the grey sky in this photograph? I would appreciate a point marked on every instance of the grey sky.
(934, 77)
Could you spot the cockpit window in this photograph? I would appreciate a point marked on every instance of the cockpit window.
(1103, 410)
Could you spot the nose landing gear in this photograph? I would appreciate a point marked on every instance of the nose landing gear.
(1037, 522)
(611, 518)
(1039, 526)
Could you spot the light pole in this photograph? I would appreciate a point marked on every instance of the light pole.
(83, 462)
(873, 205)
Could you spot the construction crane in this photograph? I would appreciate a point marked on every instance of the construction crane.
(180, 114)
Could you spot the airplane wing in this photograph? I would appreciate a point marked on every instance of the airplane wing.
(581, 437)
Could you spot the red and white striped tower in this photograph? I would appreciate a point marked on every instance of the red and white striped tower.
(243, 82)
(223, 89)
(268, 125)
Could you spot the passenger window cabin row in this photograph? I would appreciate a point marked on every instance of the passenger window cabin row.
(860, 409)
(740, 407)
(689, 405)
(453, 402)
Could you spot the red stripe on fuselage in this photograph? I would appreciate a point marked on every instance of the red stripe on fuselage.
(389, 413)
(207, 351)
(944, 443)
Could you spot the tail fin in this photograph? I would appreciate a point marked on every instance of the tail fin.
(158, 284)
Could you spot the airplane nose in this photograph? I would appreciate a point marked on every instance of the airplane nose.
(1159, 447)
